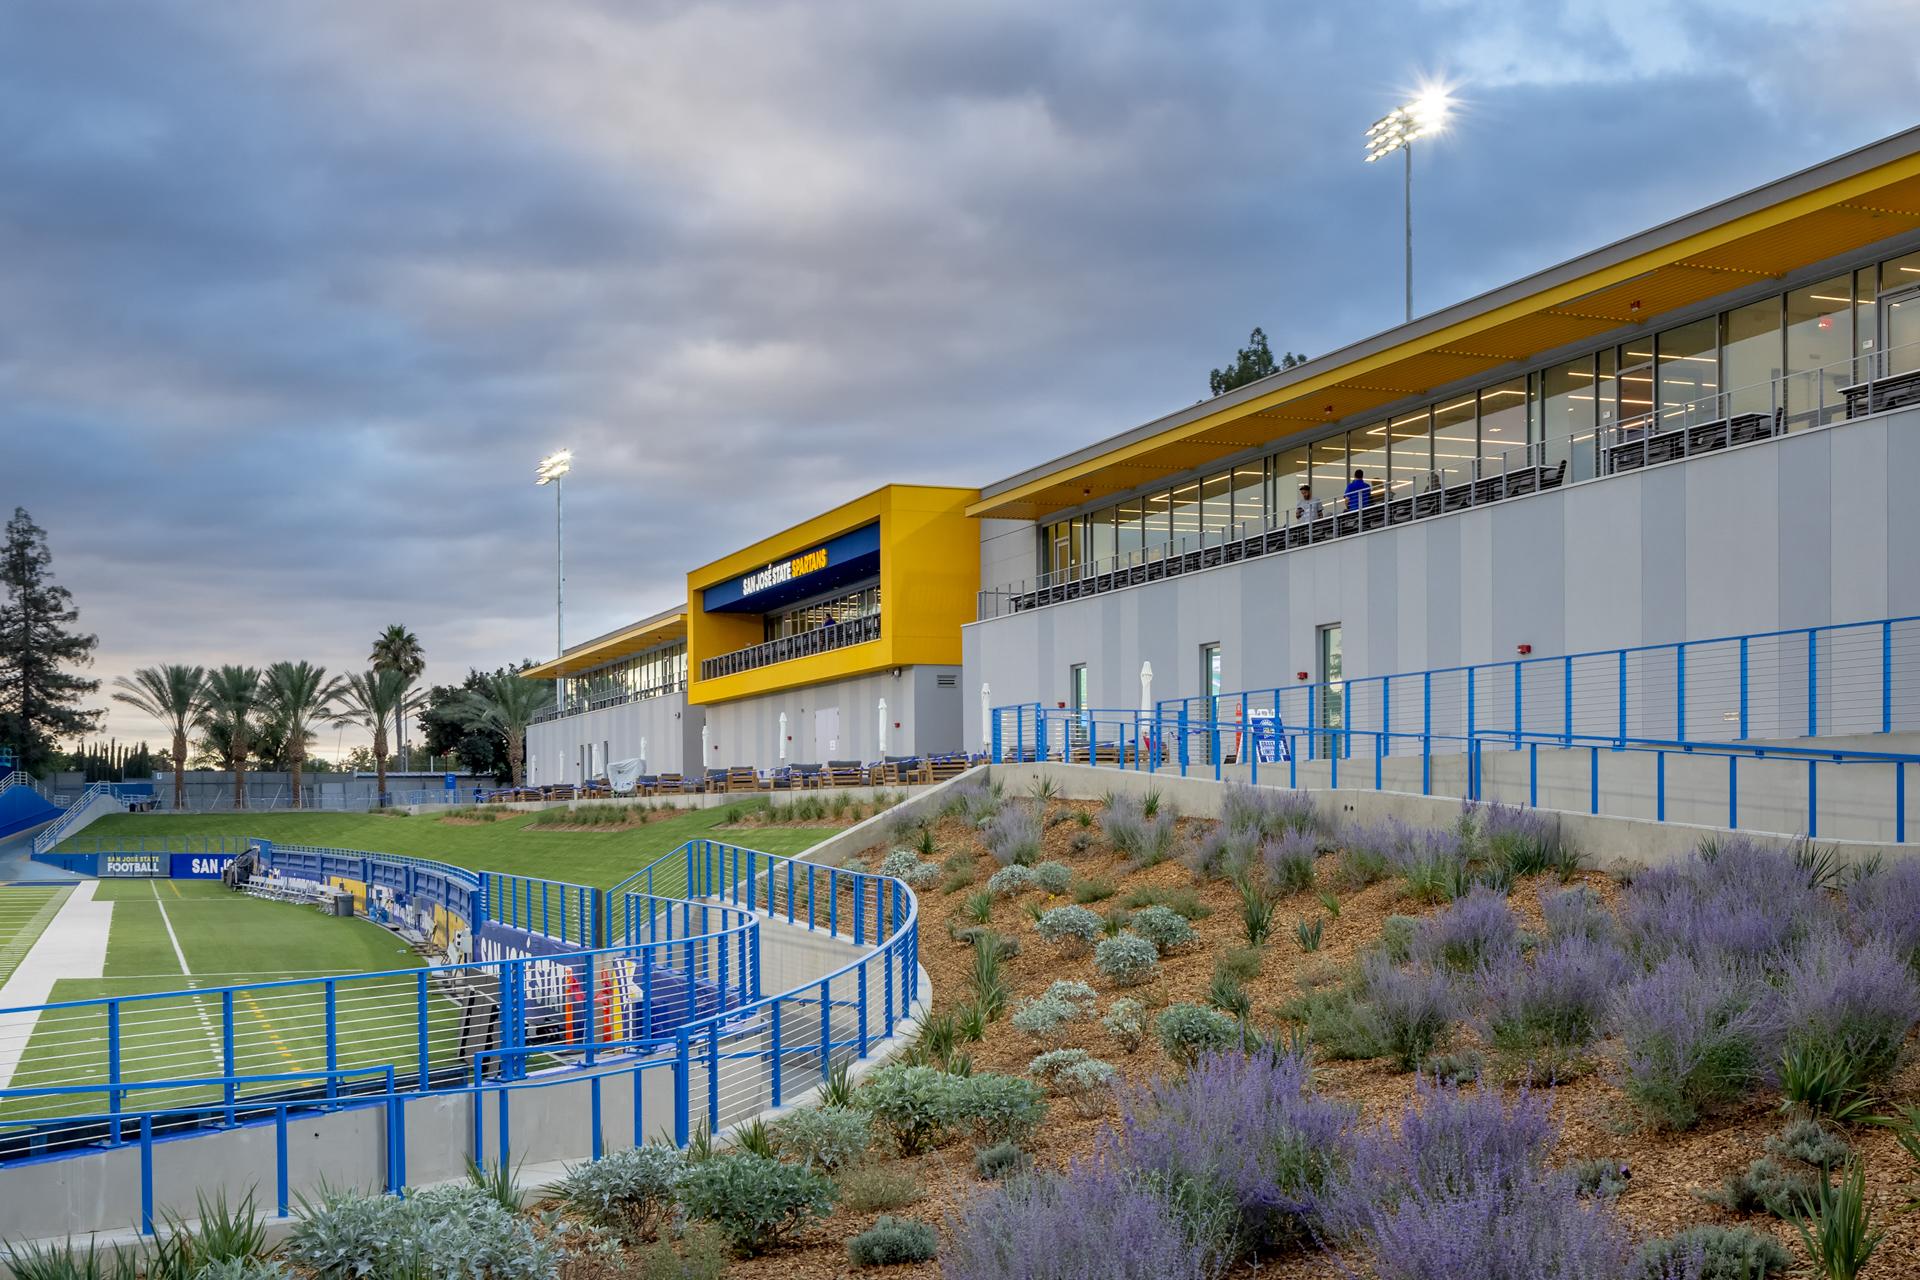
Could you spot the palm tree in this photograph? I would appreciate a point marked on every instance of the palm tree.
(370, 699)
(172, 695)
(232, 697)
(507, 703)
(299, 694)
(398, 649)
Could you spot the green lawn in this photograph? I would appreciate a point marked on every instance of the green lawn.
(227, 939)
(598, 858)
(24, 913)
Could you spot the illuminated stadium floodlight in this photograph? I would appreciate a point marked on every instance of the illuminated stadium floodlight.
(1423, 117)
(551, 469)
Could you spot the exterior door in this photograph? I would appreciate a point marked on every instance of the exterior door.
(1333, 689)
(1077, 702)
(1210, 693)
(826, 734)
(1900, 332)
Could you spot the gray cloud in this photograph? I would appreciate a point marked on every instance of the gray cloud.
(295, 296)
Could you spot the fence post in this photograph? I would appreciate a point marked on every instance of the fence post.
(1533, 775)
(1622, 694)
(1886, 677)
(1733, 792)
(146, 1173)
(861, 1036)
(775, 1050)
(713, 1076)
(1593, 779)
(280, 1158)
(1813, 799)
(1660, 786)
(1680, 692)
(826, 1028)
(1566, 691)
(333, 1037)
(1743, 688)
(226, 1048)
(681, 1089)
(113, 1069)
(1813, 685)
(1519, 679)
(1183, 737)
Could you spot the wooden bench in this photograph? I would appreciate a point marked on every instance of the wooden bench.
(741, 777)
(943, 768)
(845, 773)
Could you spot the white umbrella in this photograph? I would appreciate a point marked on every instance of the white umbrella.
(883, 727)
(783, 735)
(1146, 705)
(986, 715)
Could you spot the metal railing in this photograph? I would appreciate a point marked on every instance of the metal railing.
(580, 704)
(679, 992)
(1142, 741)
(1811, 398)
(1811, 682)
(837, 635)
(80, 812)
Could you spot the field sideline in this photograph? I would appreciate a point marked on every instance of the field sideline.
(597, 858)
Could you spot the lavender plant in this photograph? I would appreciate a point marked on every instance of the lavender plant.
(1521, 841)
(1407, 1014)
(1097, 1222)
(1287, 863)
(1850, 1004)
(1145, 838)
(1740, 900)
(1577, 912)
(1695, 1033)
(1886, 905)
(1479, 929)
(1013, 836)
(1541, 1013)
(1269, 812)
(1243, 1141)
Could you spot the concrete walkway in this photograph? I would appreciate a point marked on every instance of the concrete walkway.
(17, 865)
(74, 945)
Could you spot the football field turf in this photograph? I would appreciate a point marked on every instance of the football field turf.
(172, 935)
(24, 913)
(510, 845)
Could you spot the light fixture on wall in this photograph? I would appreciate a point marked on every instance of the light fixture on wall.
(1523, 649)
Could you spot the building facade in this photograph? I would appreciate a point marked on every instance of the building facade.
(1698, 431)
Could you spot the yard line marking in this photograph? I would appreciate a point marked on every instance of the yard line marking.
(74, 945)
(193, 983)
(266, 1022)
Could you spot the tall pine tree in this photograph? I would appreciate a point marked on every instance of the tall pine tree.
(40, 695)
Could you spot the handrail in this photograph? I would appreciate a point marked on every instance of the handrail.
(50, 834)
(802, 644)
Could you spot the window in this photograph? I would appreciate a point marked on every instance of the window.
(1635, 384)
(1157, 524)
(1503, 426)
(1367, 451)
(1455, 440)
(1688, 373)
(1077, 686)
(1289, 473)
(1210, 673)
(1332, 685)
(1329, 463)
(1102, 539)
(1751, 355)
(1130, 526)
(1216, 506)
(1411, 455)
(1249, 510)
(1567, 398)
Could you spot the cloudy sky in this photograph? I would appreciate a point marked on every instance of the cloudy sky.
(293, 295)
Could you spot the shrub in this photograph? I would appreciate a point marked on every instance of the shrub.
(1366, 854)
(1268, 811)
(1046, 1015)
(444, 1233)
(1886, 905)
(868, 1187)
(1164, 927)
(1097, 1222)
(1126, 1022)
(1459, 1188)
(998, 1108)
(1431, 863)
(1308, 933)
(1740, 901)
(1243, 1140)
(1521, 842)
(754, 1201)
(1009, 880)
(218, 1269)
(1186, 1031)
(1227, 995)
(913, 1106)
(1856, 1003)
(1601, 1176)
(1766, 1185)
(1093, 891)
(1396, 937)
(831, 1137)
(1810, 1143)
(1053, 877)
(1406, 1014)
(1239, 964)
(1076, 1075)
(892, 1241)
(1454, 1069)
(1287, 863)
(978, 906)
(1144, 838)
(1013, 836)
(1001, 1160)
(1711, 1253)
(899, 864)
(1074, 925)
(1576, 913)
(1223, 853)
(1693, 1032)
(1541, 1014)
(1335, 1022)
(628, 1191)
(1477, 930)
(1126, 959)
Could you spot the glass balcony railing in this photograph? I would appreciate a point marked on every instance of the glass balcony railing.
(825, 639)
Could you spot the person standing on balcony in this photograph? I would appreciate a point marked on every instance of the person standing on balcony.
(1308, 508)
(1359, 492)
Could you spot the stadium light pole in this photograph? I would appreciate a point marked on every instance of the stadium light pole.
(551, 469)
(1423, 117)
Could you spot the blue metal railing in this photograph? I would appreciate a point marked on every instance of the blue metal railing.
(1148, 742)
(679, 992)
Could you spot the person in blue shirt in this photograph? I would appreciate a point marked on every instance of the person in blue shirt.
(1359, 492)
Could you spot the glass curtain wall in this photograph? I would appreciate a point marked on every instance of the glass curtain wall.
(822, 613)
(1789, 354)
